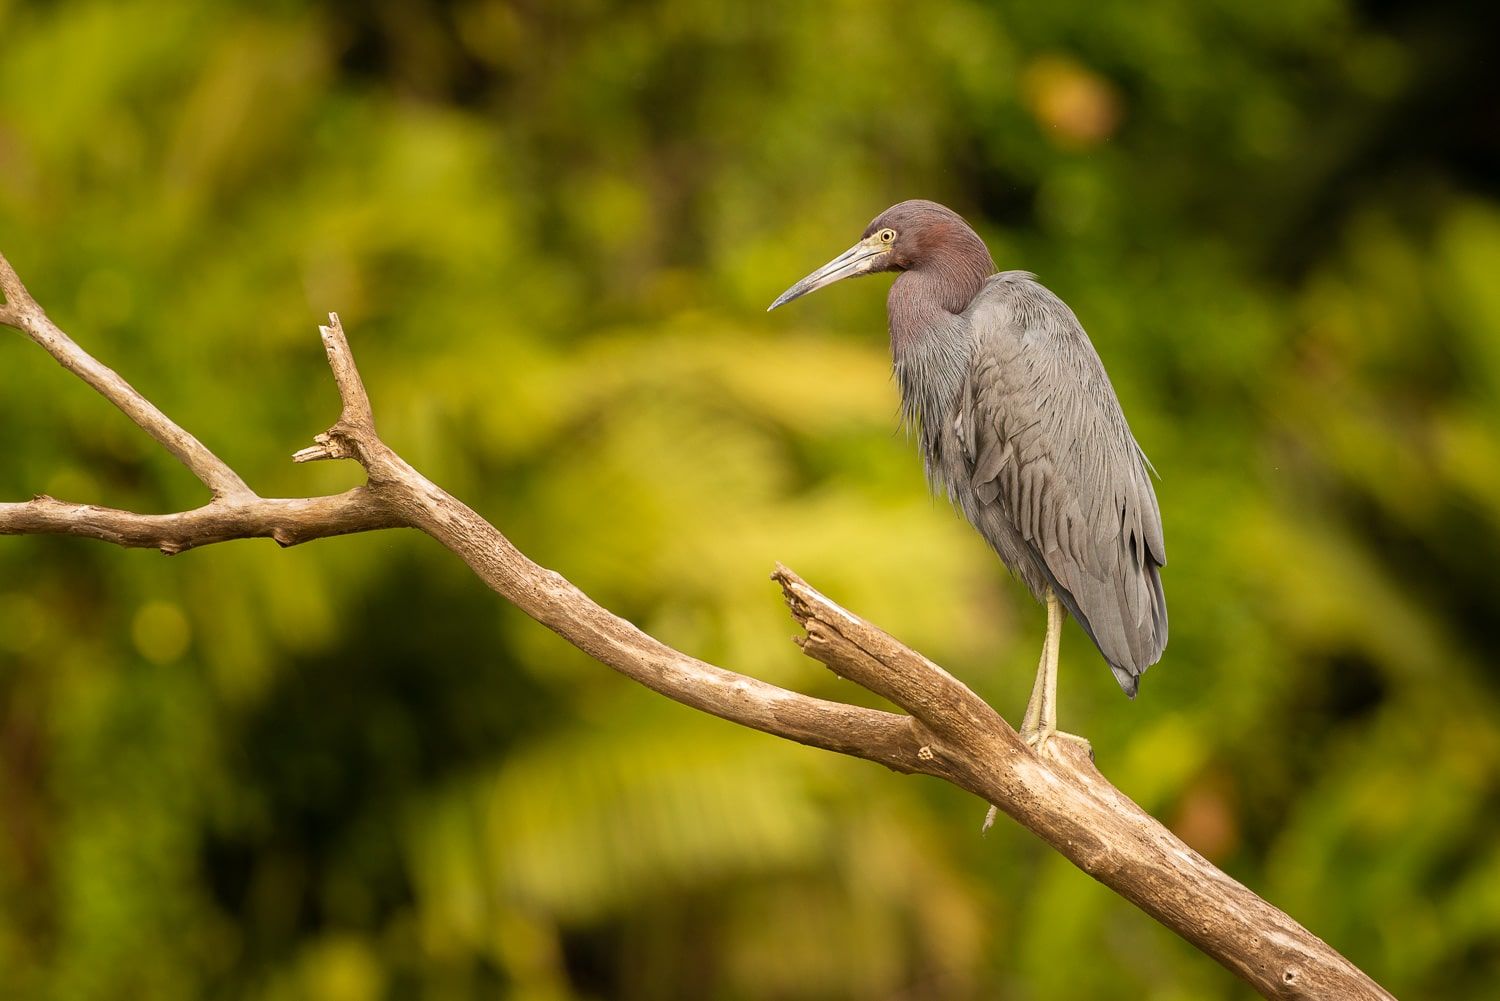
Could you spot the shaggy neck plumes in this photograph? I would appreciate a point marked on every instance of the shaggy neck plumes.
(929, 343)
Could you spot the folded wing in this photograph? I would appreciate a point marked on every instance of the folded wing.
(1050, 453)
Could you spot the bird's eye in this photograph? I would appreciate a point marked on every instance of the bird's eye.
(888, 236)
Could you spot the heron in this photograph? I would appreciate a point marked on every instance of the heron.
(1017, 422)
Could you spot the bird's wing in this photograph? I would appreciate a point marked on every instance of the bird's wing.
(1049, 449)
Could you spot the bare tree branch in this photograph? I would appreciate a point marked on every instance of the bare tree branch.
(22, 312)
(289, 521)
(16, 296)
(1066, 801)
(356, 423)
(949, 733)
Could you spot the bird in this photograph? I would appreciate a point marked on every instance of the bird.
(1016, 420)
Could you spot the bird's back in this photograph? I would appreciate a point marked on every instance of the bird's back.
(1038, 455)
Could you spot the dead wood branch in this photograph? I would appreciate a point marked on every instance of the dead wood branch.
(948, 731)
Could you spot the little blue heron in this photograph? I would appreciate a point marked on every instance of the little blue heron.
(1016, 418)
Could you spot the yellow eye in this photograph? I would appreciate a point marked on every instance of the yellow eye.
(888, 236)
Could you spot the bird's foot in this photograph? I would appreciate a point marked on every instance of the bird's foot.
(1041, 741)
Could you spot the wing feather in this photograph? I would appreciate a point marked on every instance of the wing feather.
(1054, 475)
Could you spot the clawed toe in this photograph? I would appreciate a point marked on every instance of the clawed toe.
(1041, 740)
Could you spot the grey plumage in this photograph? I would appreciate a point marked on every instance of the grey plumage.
(1016, 419)
(1037, 454)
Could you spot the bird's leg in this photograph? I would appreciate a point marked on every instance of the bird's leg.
(1041, 711)
(1039, 725)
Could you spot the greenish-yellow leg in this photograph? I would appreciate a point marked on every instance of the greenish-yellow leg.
(1041, 711)
(1039, 725)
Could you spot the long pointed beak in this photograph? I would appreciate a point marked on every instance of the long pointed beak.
(860, 259)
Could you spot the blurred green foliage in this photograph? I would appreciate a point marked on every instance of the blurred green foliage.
(347, 772)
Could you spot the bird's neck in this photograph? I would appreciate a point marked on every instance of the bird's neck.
(926, 296)
(930, 343)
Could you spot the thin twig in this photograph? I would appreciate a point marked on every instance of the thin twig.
(11, 285)
(356, 423)
(25, 315)
(357, 412)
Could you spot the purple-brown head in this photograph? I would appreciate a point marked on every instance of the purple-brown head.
(908, 236)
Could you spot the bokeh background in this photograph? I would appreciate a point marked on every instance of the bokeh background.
(347, 771)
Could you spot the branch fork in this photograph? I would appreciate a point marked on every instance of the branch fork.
(945, 729)
(353, 434)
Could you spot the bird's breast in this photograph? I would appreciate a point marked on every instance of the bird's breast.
(931, 368)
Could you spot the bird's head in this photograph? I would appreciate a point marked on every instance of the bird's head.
(905, 236)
